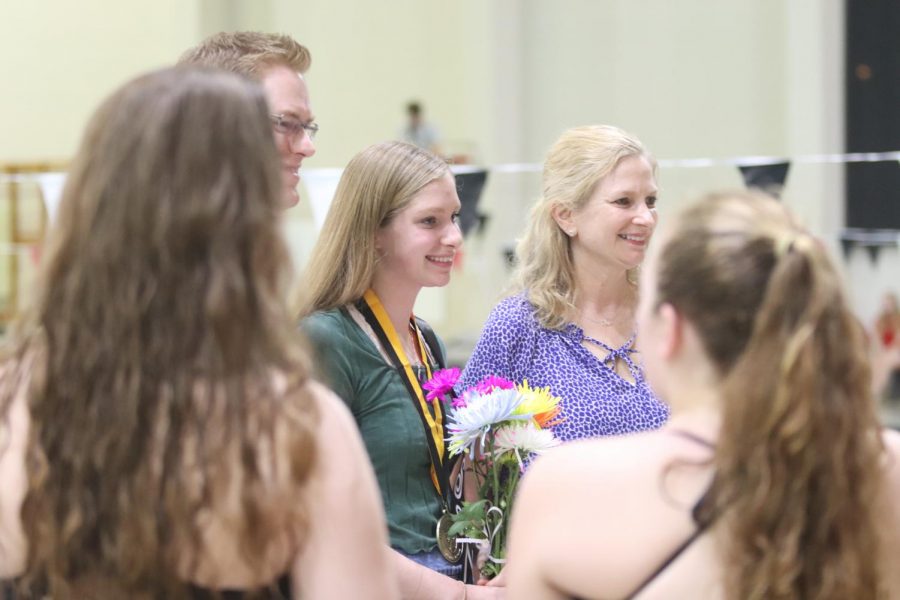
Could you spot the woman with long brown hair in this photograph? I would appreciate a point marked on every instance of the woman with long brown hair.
(772, 480)
(160, 434)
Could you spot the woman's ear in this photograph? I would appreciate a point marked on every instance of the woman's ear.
(563, 217)
(672, 330)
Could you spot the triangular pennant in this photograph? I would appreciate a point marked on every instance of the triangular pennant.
(874, 250)
(846, 247)
(766, 178)
(51, 185)
(321, 184)
(469, 185)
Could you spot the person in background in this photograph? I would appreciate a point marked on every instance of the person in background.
(279, 64)
(773, 479)
(420, 132)
(391, 231)
(160, 434)
(569, 323)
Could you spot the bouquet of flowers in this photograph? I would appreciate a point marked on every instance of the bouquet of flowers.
(499, 426)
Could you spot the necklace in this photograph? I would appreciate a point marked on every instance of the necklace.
(411, 348)
(608, 322)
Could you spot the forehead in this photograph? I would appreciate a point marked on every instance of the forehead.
(286, 92)
(629, 172)
(439, 193)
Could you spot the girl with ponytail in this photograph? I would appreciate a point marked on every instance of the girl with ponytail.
(773, 478)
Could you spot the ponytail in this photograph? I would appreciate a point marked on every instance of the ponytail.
(797, 462)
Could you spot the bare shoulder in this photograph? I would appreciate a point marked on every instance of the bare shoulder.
(336, 425)
(14, 426)
(627, 498)
(346, 551)
(328, 403)
(623, 459)
(612, 475)
(340, 456)
(890, 510)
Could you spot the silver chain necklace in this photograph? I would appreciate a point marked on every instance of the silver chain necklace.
(606, 322)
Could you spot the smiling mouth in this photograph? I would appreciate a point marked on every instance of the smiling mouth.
(633, 238)
(446, 260)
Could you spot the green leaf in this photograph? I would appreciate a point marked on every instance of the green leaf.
(465, 527)
(470, 511)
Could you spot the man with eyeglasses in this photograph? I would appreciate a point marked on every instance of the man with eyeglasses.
(278, 62)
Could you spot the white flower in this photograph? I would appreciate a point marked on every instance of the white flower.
(523, 440)
(526, 439)
(473, 421)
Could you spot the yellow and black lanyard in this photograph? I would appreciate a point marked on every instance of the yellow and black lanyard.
(435, 429)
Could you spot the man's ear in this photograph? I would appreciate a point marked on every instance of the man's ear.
(673, 325)
(563, 217)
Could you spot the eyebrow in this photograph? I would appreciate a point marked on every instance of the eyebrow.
(293, 115)
(620, 193)
(432, 208)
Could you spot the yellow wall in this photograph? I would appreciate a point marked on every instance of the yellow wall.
(501, 78)
(61, 58)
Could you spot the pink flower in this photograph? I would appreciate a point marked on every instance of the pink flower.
(491, 383)
(441, 383)
(459, 402)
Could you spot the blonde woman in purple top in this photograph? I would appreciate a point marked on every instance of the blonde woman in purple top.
(570, 323)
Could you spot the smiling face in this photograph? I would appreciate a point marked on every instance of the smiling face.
(615, 225)
(417, 246)
(287, 95)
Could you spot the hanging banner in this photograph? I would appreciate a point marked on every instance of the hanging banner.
(320, 184)
(766, 178)
(873, 253)
(873, 240)
(51, 185)
(469, 185)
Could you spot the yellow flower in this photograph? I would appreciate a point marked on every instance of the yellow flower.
(540, 404)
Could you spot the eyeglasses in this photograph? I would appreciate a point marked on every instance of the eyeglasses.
(292, 127)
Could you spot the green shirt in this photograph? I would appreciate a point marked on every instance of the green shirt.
(351, 364)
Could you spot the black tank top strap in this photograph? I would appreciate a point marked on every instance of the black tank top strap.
(702, 514)
(703, 517)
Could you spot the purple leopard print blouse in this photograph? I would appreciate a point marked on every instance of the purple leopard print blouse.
(596, 401)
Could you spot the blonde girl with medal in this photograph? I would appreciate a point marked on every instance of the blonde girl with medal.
(392, 229)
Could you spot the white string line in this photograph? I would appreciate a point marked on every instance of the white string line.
(687, 163)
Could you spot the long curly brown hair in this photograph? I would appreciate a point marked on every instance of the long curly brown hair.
(797, 463)
(169, 373)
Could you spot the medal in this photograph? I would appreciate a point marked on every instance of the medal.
(446, 543)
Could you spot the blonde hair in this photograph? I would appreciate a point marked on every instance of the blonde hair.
(378, 183)
(575, 165)
(797, 461)
(248, 53)
(157, 329)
